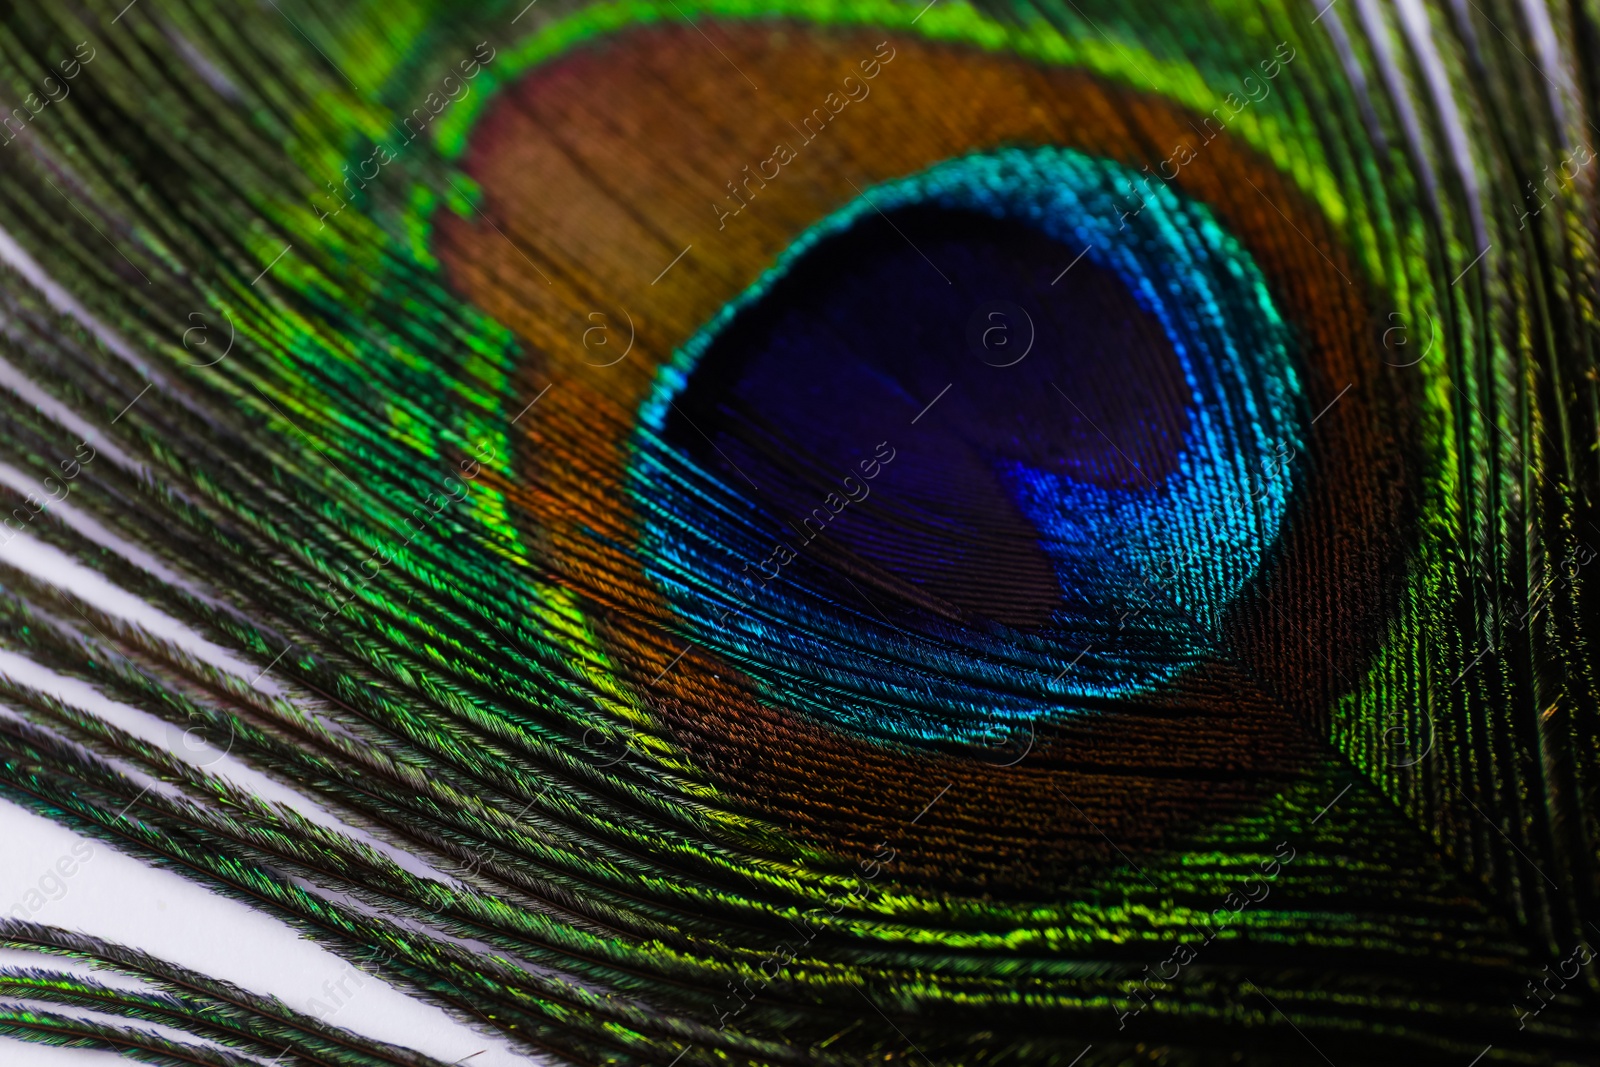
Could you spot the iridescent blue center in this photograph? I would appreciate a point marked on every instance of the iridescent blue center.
(1004, 438)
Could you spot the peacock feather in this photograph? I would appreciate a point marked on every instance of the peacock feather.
(733, 532)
